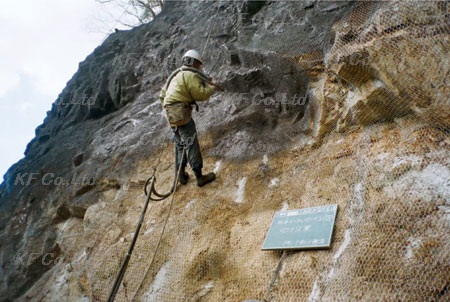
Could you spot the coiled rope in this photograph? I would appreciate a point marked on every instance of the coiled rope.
(159, 197)
(174, 188)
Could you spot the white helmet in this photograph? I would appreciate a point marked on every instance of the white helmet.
(192, 53)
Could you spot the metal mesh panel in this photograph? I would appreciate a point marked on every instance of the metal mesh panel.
(390, 179)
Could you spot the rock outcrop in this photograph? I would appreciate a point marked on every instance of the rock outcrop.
(325, 103)
(380, 64)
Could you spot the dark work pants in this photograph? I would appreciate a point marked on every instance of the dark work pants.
(186, 136)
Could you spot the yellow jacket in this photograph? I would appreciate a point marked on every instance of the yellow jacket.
(186, 87)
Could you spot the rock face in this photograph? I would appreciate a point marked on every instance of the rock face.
(376, 66)
(325, 103)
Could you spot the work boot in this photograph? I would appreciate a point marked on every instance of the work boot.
(183, 178)
(204, 179)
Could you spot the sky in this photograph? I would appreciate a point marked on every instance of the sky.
(41, 44)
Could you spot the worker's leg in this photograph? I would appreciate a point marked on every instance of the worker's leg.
(180, 157)
(188, 137)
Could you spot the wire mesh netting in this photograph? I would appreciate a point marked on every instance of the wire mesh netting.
(389, 178)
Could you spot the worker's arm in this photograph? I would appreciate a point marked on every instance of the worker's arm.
(198, 89)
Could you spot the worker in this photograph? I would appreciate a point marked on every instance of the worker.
(183, 88)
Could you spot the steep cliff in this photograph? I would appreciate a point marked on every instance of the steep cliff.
(325, 103)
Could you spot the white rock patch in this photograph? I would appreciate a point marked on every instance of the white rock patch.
(427, 184)
(155, 291)
(274, 182)
(218, 166)
(241, 190)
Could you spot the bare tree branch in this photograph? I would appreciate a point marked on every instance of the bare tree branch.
(147, 7)
(141, 10)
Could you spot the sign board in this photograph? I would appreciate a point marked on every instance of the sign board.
(309, 228)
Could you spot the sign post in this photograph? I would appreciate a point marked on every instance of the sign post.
(309, 228)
